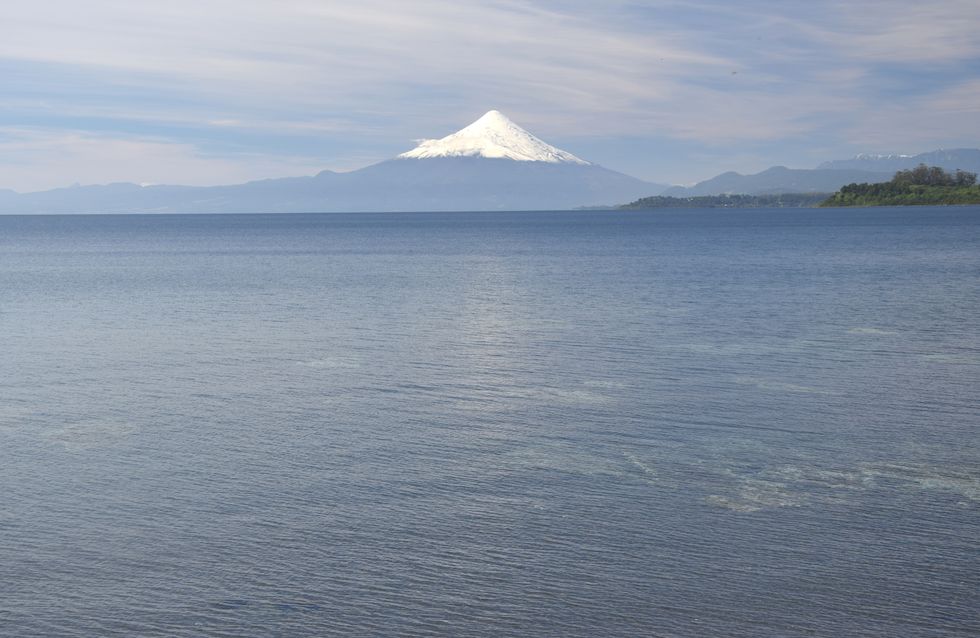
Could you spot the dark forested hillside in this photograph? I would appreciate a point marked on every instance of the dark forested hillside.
(922, 185)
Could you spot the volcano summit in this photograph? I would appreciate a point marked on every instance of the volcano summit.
(493, 136)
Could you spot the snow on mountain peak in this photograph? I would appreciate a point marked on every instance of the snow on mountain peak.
(494, 136)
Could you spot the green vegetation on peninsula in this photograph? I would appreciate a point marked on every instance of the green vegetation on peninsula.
(919, 186)
(785, 200)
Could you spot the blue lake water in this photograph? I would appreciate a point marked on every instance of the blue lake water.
(697, 423)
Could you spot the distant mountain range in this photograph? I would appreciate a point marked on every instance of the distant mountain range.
(492, 164)
(829, 176)
(967, 159)
(778, 179)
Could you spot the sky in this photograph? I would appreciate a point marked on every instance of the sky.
(223, 91)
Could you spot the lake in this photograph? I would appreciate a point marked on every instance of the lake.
(675, 423)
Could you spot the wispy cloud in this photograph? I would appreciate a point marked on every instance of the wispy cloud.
(364, 79)
(28, 159)
(905, 31)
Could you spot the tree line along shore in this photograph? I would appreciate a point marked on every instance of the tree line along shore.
(919, 186)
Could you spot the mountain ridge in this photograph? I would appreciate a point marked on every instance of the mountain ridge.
(829, 176)
(776, 180)
(967, 159)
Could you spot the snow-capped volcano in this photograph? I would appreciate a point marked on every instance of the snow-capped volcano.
(493, 136)
(492, 164)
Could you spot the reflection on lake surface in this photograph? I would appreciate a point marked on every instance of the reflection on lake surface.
(698, 423)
